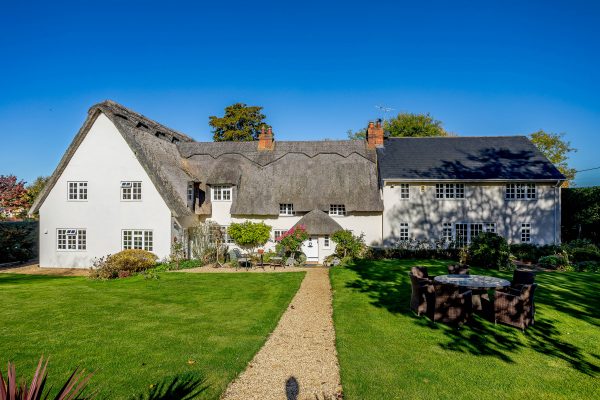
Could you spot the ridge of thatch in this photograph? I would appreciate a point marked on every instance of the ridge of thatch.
(318, 222)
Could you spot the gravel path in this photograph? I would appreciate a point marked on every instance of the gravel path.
(299, 360)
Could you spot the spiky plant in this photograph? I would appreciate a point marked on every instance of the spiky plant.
(10, 389)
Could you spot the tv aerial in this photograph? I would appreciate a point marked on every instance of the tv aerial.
(384, 109)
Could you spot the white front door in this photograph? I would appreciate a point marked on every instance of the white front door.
(310, 247)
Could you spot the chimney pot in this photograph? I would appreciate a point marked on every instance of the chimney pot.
(375, 135)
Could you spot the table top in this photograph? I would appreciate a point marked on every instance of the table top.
(472, 281)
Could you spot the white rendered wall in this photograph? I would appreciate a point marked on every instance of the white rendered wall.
(103, 160)
(368, 224)
(482, 203)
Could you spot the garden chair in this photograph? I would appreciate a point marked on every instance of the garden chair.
(277, 261)
(450, 305)
(421, 273)
(421, 289)
(458, 269)
(521, 278)
(514, 309)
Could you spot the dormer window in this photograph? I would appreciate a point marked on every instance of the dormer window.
(131, 191)
(221, 193)
(286, 209)
(337, 210)
(190, 193)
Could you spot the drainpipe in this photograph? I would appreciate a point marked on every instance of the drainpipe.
(556, 203)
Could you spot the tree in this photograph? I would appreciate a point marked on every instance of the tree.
(249, 235)
(556, 149)
(13, 202)
(292, 239)
(241, 123)
(347, 244)
(407, 125)
(34, 190)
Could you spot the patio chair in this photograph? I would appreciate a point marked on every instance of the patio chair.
(514, 309)
(421, 273)
(458, 269)
(450, 305)
(421, 290)
(521, 278)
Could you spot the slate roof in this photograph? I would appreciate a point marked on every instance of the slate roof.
(318, 222)
(464, 158)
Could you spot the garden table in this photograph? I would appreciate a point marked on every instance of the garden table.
(479, 285)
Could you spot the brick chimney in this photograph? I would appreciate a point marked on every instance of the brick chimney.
(265, 139)
(375, 134)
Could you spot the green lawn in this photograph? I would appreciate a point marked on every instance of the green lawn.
(386, 352)
(138, 333)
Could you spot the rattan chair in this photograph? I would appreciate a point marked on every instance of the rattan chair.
(458, 269)
(521, 278)
(421, 273)
(515, 309)
(449, 305)
(421, 290)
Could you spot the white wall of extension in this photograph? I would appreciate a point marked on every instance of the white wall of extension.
(482, 203)
(102, 160)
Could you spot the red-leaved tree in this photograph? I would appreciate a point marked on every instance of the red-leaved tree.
(13, 201)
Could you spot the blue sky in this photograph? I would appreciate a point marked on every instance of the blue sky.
(318, 68)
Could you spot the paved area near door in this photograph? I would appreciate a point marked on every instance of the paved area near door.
(299, 360)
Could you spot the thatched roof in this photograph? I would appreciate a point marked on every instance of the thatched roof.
(309, 175)
(317, 222)
(154, 146)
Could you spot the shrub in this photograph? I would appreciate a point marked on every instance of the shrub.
(588, 266)
(409, 249)
(585, 254)
(292, 239)
(556, 261)
(13, 388)
(531, 253)
(489, 250)
(122, 264)
(18, 241)
(348, 244)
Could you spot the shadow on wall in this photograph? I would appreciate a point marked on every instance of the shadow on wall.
(388, 285)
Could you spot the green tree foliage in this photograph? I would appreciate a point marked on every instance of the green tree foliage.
(249, 235)
(580, 214)
(241, 123)
(347, 244)
(34, 189)
(407, 125)
(556, 149)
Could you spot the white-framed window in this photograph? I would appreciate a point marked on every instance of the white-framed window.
(450, 191)
(71, 239)
(520, 191)
(226, 238)
(221, 193)
(337, 209)
(526, 233)
(131, 190)
(278, 232)
(403, 233)
(475, 230)
(490, 227)
(137, 239)
(190, 193)
(447, 231)
(77, 191)
(404, 191)
(286, 209)
(462, 234)
(326, 242)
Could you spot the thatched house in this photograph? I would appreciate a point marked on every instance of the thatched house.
(129, 182)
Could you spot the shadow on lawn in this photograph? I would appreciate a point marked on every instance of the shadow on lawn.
(185, 386)
(388, 285)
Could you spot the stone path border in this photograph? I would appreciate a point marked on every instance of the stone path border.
(299, 360)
